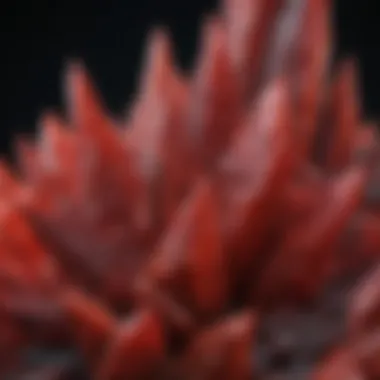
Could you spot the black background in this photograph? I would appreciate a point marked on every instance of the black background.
(37, 37)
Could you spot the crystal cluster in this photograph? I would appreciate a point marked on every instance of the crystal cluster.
(229, 229)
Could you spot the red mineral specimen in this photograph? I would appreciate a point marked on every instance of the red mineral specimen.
(230, 230)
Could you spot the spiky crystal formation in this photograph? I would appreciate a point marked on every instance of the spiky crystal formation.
(241, 200)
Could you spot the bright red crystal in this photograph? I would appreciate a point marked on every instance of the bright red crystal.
(219, 235)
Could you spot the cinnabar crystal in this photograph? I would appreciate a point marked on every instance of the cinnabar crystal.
(229, 230)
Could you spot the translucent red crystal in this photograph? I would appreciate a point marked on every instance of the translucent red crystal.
(236, 199)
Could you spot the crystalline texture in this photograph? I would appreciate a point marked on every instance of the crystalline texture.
(217, 233)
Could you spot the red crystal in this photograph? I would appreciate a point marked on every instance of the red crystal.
(231, 230)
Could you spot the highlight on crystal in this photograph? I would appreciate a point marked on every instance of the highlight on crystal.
(228, 228)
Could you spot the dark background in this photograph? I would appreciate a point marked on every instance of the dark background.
(108, 35)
